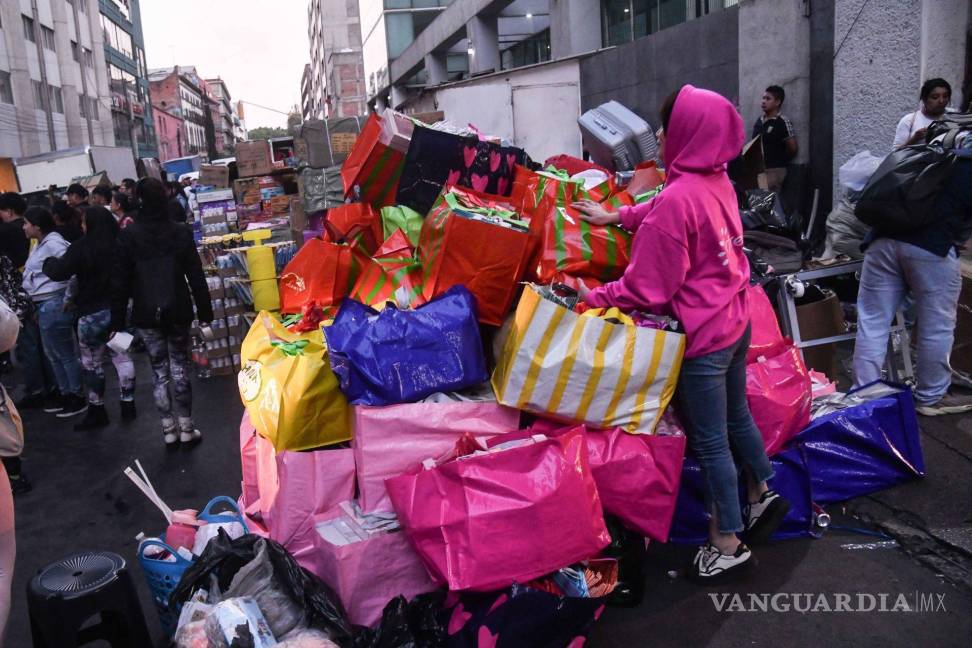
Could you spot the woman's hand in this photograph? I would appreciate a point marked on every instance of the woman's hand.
(595, 214)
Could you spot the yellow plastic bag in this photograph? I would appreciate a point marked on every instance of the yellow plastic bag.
(288, 388)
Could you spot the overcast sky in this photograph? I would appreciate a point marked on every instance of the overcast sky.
(258, 47)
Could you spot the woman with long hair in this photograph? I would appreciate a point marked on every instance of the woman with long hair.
(158, 267)
(90, 259)
(687, 261)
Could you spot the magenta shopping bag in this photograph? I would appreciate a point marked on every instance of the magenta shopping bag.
(293, 487)
(390, 440)
(766, 338)
(779, 392)
(248, 462)
(367, 574)
(637, 475)
(485, 521)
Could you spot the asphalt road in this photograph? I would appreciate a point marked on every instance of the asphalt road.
(82, 501)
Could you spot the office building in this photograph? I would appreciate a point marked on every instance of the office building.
(124, 52)
(181, 92)
(53, 80)
(306, 98)
(336, 86)
(224, 119)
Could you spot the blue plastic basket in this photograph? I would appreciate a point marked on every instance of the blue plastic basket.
(163, 576)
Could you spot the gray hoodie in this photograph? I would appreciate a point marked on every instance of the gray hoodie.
(37, 284)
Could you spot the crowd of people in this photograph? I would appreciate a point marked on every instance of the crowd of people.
(80, 269)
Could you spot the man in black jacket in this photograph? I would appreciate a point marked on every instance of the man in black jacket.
(158, 267)
(13, 242)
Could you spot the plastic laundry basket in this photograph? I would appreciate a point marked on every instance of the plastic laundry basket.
(163, 576)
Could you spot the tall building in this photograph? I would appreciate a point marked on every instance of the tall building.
(306, 98)
(53, 79)
(337, 79)
(225, 118)
(124, 51)
(182, 93)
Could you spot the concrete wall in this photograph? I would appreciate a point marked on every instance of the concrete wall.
(534, 107)
(703, 52)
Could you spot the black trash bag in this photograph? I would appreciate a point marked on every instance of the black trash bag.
(520, 617)
(407, 625)
(766, 214)
(628, 548)
(224, 557)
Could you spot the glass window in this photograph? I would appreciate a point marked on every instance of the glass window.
(74, 52)
(88, 57)
(671, 13)
(48, 37)
(56, 99)
(645, 17)
(82, 106)
(6, 92)
(38, 88)
(94, 108)
(29, 29)
(616, 18)
(400, 33)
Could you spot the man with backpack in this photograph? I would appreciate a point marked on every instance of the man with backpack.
(157, 266)
(919, 204)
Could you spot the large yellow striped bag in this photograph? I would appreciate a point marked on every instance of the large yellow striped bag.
(587, 368)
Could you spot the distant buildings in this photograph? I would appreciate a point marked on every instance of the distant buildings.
(199, 116)
(334, 86)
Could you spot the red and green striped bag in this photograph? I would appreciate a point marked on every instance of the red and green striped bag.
(393, 272)
(574, 247)
(372, 167)
(477, 242)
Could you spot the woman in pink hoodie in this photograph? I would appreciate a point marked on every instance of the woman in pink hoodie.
(687, 261)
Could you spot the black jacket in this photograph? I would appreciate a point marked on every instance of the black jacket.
(93, 272)
(954, 208)
(13, 242)
(176, 211)
(152, 242)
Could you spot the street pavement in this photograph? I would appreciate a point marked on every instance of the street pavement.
(81, 501)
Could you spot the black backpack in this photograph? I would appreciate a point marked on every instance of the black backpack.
(155, 277)
(900, 196)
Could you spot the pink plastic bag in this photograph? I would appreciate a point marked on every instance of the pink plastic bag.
(366, 575)
(248, 461)
(390, 440)
(482, 522)
(637, 476)
(766, 338)
(779, 392)
(293, 487)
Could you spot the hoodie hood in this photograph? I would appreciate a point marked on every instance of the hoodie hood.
(704, 133)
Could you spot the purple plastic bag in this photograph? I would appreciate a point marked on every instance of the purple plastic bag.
(863, 449)
(792, 480)
(402, 356)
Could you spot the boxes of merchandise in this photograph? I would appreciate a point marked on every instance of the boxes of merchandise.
(253, 158)
(217, 211)
(214, 175)
(324, 143)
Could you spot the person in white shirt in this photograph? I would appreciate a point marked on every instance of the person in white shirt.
(935, 97)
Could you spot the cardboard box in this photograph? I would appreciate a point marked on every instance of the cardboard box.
(214, 175)
(254, 158)
(242, 185)
(216, 195)
(280, 204)
(298, 217)
(342, 143)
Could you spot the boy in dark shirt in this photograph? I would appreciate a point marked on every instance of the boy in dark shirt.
(13, 242)
(777, 136)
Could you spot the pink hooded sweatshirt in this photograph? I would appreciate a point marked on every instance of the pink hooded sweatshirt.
(687, 258)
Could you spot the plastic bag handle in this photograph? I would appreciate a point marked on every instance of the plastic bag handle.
(162, 545)
(219, 499)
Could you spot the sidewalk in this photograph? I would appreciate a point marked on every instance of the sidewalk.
(82, 501)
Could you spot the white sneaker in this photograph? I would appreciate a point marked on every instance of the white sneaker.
(188, 436)
(712, 565)
(170, 437)
(764, 517)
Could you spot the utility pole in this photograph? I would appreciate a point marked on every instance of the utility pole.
(46, 93)
(86, 112)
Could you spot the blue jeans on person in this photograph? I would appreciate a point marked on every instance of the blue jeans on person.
(38, 373)
(712, 403)
(60, 344)
(892, 270)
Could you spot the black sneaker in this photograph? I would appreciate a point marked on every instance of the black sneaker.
(53, 403)
(711, 565)
(764, 517)
(31, 402)
(72, 405)
(95, 418)
(20, 484)
(128, 410)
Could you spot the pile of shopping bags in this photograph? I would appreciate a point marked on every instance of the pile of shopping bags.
(435, 408)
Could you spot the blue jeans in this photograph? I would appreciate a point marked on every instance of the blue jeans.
(892, 270)
(60, 345)
(712, 403)
(38, 374)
